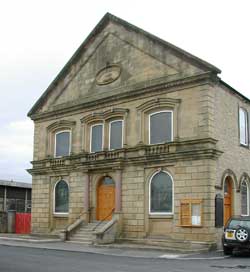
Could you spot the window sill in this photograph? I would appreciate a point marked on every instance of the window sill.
(191, 226)
(61, 215)
(95, 152)
(245, 146)
(162, 143)
(61, 157)
(161, 216)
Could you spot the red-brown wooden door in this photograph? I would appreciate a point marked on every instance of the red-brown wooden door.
(228, 197)
(105, 199)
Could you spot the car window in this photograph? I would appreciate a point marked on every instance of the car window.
(236, 223)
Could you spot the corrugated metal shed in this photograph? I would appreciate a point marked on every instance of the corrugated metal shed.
(11, 183)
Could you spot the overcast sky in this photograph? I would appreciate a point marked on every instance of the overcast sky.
(38, 37)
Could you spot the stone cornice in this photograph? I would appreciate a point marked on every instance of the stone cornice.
(158, 102)
(61, 123)
(126, 92)
(104, 115)
(139, 155)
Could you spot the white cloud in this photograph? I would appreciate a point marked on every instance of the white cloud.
(16, 145)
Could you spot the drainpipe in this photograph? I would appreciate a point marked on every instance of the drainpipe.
(26, 200)
(86, 196)
(5, 199)
(118, 191)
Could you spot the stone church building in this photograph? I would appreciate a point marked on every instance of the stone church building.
(138, 140)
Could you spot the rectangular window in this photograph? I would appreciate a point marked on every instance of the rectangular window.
(191, 213)
(243, 123)
(115, 134)
(196, 214)
(161, 127)
(96, 138)
(62, 143)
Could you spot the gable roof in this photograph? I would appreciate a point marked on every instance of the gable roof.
(104, 21)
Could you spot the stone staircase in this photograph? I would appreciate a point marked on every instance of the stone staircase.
(85, 234)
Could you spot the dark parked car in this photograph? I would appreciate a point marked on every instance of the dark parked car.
(236, 234)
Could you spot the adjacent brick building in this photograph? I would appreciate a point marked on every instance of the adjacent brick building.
(135, 124)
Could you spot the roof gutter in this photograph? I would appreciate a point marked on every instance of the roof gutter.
(234, 91)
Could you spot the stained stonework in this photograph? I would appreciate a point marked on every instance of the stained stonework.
(154, 76)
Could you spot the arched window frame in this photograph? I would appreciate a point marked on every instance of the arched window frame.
(104, 118)
(247, 186)
(155, 105)
(150, 182)
(110, 123)
(70, 143)
(149, 125)
(91, 131)
(54, 128)
(54, 198)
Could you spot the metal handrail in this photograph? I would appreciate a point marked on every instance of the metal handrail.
(79, 217)
(99, 223)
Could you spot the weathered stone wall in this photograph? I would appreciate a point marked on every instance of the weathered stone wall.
(195, 180)
(40, 204)
(141, 60)
(192, 180)
(193, 122)
(133, 202)
(43, 218)
(202, 109)
(235, 157)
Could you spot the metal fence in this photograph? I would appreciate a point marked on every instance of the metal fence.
(18, 205)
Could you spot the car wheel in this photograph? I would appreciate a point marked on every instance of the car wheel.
(242, 235)
(227, 250)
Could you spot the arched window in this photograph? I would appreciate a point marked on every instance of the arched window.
(161, 194)
(115, 134)
(62, 143)
(61, 197)
(96, 138)
(244, 198)
(161, 127)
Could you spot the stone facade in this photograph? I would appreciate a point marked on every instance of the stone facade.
(149, 75)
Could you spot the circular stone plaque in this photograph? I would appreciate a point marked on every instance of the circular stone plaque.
(108, 74)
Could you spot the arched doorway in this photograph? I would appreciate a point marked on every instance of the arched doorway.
(105, 198)
(228, 198)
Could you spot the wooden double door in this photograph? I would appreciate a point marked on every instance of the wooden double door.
(105, 199)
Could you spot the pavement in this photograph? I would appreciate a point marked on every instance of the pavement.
(121, 250)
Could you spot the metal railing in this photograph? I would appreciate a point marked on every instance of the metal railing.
(104, 219)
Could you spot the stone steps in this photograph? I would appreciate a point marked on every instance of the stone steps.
(80, 242)
(85, 234)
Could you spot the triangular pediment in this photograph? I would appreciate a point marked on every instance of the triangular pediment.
(113, 57)
(134, 66)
